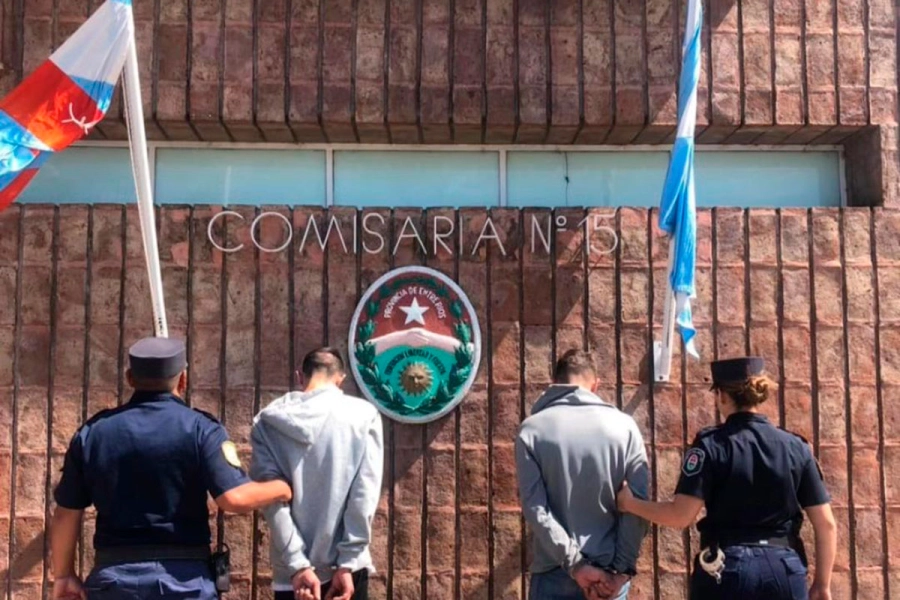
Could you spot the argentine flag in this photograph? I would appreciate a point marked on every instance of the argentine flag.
(677, 209)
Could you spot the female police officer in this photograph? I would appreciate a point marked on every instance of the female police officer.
(755, 480)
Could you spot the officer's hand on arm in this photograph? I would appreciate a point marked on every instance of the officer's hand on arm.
(226, 480)
(254, 495)
(341, 586)
(306, 585)
(625, 498)
(679, 513)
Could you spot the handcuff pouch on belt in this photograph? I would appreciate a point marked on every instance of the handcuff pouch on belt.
(220, 562)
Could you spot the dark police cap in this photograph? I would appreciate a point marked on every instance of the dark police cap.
(736, 369)
(157, 358)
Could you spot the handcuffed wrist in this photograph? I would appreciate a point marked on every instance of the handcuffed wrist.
(298, 571)
(579, 562)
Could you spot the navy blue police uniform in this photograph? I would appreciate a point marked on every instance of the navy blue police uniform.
(147, 467)
(755, 480)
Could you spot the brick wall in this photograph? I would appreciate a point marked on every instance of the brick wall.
(815, 292)
(591, 71)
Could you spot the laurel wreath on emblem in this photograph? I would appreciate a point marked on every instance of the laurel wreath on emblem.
(368, 369)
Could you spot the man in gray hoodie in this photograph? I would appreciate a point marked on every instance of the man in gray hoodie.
(330, 447)
(572, 455)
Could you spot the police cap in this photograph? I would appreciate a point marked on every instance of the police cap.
(736, 369)
(157, 358)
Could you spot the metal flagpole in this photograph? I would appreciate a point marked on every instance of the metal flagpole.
(137, 137)
(663, 350)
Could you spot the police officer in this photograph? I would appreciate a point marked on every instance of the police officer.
(147, 467)
(755, 481)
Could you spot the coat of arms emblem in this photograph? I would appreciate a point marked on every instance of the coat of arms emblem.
(415, 344)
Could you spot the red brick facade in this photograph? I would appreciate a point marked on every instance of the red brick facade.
(501, 71)
(815, 292)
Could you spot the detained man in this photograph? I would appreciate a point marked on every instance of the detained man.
(572, 454)
(330, 447)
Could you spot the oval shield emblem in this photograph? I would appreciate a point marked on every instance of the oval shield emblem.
(415, 344)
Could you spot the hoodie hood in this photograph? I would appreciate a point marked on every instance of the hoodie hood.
(566, 395)
(301, 415)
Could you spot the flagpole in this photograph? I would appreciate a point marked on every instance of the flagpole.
(137, 137)
(663, 350)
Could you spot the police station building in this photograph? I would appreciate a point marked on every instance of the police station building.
(301, 151)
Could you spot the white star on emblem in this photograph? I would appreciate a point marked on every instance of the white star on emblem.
(414, 312)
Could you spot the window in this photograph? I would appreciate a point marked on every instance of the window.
(223, 176)
(84, 176)
(412, 176)
(421, 179)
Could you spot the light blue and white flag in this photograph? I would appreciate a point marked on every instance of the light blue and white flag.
(677, 209)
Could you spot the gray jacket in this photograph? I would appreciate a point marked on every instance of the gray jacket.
(572, 455)
(330, 447)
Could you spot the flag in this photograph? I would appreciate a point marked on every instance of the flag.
(64, 98)
(678, 210)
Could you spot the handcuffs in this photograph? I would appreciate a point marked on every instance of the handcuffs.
(713, 565)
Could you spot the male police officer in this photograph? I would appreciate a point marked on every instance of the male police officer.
(147, 467)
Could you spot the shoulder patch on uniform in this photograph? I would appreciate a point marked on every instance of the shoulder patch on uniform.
(693, 462)
(231, 454)
(209, 416)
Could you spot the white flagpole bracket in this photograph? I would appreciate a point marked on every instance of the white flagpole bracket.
(662, 351)
(137, 136)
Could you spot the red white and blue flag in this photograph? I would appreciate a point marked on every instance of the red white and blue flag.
(64, 98)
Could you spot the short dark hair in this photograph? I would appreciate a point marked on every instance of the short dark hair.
(325, 360)
(143, 384)
(574, 363)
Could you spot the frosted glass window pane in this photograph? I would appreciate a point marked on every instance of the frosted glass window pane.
(397, 179)
(83, 176)
(223, 177)
(723, 178)
(768, 179)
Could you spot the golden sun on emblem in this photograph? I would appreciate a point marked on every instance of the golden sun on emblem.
(416, 379)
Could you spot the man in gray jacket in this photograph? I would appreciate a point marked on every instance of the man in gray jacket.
(330, 447)
(572, 455)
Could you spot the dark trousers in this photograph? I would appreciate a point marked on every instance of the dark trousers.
(753, 572)
(360, 585)
(151, 581)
